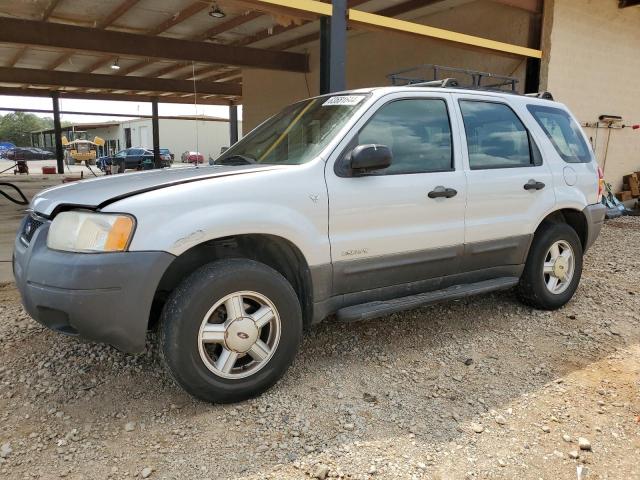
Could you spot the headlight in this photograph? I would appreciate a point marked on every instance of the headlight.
(78, 231)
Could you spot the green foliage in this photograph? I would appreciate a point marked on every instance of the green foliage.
(17, 127)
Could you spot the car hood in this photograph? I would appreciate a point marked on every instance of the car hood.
(99, 192)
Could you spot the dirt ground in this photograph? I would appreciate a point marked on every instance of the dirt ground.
(483, 388)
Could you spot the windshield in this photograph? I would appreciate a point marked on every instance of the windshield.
(295, 135)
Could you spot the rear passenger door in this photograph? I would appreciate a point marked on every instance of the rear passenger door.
(510, 187)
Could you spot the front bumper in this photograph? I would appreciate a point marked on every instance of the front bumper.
(595, 220)
(105, 297)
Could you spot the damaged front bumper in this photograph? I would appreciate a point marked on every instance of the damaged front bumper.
(104, 297)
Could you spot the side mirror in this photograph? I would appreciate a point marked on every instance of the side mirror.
(365, 158)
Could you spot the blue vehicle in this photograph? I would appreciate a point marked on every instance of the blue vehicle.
(133, 159)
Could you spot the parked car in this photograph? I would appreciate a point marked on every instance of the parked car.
(133, 158)
(358, 204)
(166, 155)
(192, 157)
(28, 153)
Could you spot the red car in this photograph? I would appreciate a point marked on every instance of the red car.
(192, 157)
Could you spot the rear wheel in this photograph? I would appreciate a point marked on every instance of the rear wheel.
(553, 269)
(230, 330)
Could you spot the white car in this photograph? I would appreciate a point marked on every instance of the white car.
(357, 204)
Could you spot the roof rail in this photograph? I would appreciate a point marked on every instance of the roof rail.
(544, 95)
(444, 83)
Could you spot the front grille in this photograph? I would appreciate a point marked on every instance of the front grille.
(30, 226)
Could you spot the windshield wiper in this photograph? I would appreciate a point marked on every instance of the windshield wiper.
(235, 160)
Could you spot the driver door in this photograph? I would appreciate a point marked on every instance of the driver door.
(385, 229)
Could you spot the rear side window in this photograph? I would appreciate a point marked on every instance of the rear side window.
(564, 133)
(418, 133)
(496, 138)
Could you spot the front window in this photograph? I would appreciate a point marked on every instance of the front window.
(418, 133)
(296, 135)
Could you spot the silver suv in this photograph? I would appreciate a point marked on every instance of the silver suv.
(357, 204)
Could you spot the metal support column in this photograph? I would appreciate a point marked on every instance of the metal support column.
(233, 124)
(532, 73)
(57, 128)
(333, 43)
(157, 163)
(337, 76)
(325, 47)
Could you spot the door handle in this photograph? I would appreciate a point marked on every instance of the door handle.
(533, 185)
(442, 192)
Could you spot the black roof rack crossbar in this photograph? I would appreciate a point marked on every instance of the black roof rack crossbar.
(444, 83)
(428, 75)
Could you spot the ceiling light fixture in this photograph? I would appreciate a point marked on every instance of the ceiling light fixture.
(115, 65)
(215, 11)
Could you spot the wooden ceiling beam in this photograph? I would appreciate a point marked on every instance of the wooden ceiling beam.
(69, 37)
(122, 8)
(21, 51)
(49, 10)
(202, 36)
(116, 13)
(44, 17)
(210, 72)
(33, 76)
(181, 16)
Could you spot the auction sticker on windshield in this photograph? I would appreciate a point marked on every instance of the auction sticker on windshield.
(343, 100)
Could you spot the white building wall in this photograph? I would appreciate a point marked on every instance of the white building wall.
(175, 134)
(205, 136)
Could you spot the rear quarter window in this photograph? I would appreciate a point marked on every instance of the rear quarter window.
(563, 132)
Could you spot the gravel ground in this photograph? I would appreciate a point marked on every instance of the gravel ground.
(480, 388)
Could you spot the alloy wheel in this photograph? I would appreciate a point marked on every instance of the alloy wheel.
(239, 335)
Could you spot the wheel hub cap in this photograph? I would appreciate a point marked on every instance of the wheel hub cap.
(560, 267)
(241, 334)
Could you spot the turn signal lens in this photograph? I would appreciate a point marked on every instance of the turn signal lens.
(89, 232)
(118, 237)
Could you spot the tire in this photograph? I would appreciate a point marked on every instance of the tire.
(533, 289)
(192, 363)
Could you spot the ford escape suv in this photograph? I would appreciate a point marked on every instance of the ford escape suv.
(357, 204)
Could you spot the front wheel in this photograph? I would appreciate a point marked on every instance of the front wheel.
(553, 269)
(230, 330)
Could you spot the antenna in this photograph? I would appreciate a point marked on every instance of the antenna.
(195, 106)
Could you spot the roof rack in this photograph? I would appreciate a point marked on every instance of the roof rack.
(418, 77)
(429, 74)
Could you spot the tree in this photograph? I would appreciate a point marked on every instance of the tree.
(17, 127)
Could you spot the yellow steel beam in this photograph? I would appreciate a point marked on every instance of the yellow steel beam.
(371, 20)
(379, 21)
(311, 6)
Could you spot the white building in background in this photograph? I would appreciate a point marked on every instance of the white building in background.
(204, 134)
